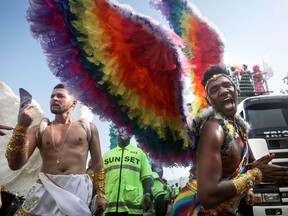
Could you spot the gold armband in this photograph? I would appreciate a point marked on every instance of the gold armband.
(247, 180)
(16, 146)
(99, 182)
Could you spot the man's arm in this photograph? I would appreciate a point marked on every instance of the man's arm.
(146, 182)
(251, 155)
(212, 190)
(23, 141)
(97, 166)
(95, 149)
(146, 174)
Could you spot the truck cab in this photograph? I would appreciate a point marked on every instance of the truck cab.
(268, 118)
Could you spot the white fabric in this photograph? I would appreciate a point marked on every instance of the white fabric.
(19, 181)
(60, 195)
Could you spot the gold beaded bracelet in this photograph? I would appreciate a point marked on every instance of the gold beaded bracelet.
(17, 144)
(247, 180)
(99, 183)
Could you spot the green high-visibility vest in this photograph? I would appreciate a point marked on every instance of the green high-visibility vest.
(157, 188)
(168, 192)
(177, 190)
(124, 171)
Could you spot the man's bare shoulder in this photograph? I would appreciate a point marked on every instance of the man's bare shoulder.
(211, 125)
(93, 127)
(212, 132)
(34, 128)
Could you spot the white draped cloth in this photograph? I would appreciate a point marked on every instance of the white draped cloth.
(59, 195)
(20, 181)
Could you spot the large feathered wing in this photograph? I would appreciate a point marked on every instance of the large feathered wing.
(204, 44)
(204, 47)
(19, 181)
(124, 66)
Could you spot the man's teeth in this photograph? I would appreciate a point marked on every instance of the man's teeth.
(227, 99)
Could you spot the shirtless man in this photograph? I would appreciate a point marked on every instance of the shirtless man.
(63, 187)
(259, 79)
(225, 168)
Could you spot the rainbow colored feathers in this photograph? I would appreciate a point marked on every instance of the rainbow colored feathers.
(204, 45)
(125, 67)
(129, 69)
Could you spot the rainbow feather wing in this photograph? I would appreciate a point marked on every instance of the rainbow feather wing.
(123, 66)
(204, 45)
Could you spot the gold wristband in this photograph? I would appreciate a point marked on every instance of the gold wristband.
(17, 144)
(247, 180)
(99, 182)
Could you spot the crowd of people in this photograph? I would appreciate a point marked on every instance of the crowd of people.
(257, 78)
(121, 181)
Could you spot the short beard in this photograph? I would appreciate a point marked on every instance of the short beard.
(57, 112)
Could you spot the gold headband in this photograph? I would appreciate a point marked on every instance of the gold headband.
(213, 78)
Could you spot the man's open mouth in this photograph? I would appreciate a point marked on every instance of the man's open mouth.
(228, 102)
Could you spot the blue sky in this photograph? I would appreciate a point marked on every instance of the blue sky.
(250, 29)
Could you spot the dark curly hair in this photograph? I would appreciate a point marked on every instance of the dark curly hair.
(212, 70)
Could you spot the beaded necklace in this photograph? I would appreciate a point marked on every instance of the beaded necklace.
(59, 149)
(231, 129)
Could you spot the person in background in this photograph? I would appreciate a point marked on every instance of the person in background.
(217, 185)
(259, 80)
(235, 74)
(177, 190)
(172, 193)
(158, 193)
(167, 198)
(127, 178)
(63, 187)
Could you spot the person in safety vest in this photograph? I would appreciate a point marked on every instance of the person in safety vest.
(167, 198)
(127, 179)
(177, 190)
(158, 193)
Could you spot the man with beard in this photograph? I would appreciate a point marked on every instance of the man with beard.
(63, 186)
(224, 167)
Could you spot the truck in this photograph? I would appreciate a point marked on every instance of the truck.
(268, 119)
